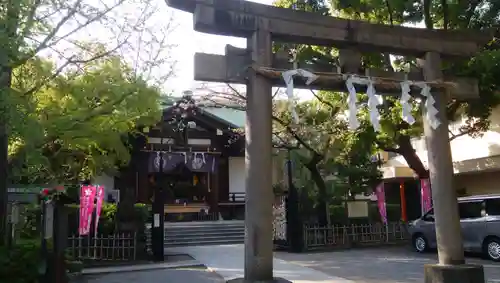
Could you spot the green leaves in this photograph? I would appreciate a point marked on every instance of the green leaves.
(322, 131)
(76, 126)
(396, 134)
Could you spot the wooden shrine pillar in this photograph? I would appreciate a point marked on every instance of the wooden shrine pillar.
(258, 161)
(448, 231)
(213, 183)
(142, 181)
(223, 179)
(451, 267)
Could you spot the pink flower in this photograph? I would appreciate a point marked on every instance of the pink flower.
(45, 192)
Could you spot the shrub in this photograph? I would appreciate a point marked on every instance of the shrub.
(74, 266)
(21, 263)
(29, 228)
(107, 223)
(338, 214)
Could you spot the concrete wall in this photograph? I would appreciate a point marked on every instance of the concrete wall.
(469, 154)
(479, 184)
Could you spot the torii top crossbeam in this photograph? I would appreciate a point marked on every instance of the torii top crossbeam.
(241, 18)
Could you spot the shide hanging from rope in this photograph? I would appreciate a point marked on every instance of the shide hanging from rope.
(373, 99)
(234, 65)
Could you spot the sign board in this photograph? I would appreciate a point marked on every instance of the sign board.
(14, 213)
(357, 209)
(23, 194)
(156, 220)
(49, 220)
(26, 190)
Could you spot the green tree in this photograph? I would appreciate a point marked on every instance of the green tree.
(56, 27)
(327, 149)
(396, 134)
(77, 125)
(321, 143)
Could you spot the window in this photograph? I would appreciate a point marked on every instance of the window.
(429, 216)
(470, 210)
(493, 206)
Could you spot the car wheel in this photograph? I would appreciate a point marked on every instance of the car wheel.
(492, 249)
(420, 243)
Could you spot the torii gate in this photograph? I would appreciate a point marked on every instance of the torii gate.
(260, 70)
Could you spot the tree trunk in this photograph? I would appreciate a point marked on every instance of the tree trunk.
(5, 81)
(7, 55)
(410, 155)
(3, 180)
(320, 183)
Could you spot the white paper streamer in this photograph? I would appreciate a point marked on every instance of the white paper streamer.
(157, 160)
(351, 102)
(431, 111)
(405, 105)
(195, 155)
(374, 100)
(288, 77)
(185, 157)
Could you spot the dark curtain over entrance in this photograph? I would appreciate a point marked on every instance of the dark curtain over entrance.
(170, 161)
(194, 161)
(199, 162)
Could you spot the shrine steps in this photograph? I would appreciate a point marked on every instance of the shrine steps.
(204, 233)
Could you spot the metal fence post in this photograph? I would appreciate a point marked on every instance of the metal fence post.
(387, 232)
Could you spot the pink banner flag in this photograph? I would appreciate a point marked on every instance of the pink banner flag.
(100, 199)
(426, 195)
(380, 193)
(87, 197)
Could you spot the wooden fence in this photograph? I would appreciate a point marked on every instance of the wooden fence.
(316, 237)
(117, 247)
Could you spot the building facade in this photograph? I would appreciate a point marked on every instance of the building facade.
(476, 164)
(197, 155)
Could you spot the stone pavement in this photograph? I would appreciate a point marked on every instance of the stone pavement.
(139, 267)
(185, 275)
(228, 261)
(368, 265)
(379, 265)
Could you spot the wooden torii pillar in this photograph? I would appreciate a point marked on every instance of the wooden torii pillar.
(260, 70)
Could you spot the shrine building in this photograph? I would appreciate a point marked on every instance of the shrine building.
(196, 153)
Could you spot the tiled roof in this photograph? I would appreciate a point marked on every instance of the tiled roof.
(233, 116)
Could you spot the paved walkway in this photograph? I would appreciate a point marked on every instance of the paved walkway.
(228, 261)
(192, 275)
(140, 267)
(380, 265)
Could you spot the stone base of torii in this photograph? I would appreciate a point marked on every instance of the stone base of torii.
(263, 24)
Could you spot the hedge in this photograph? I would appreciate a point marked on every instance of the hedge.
(338, 214)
